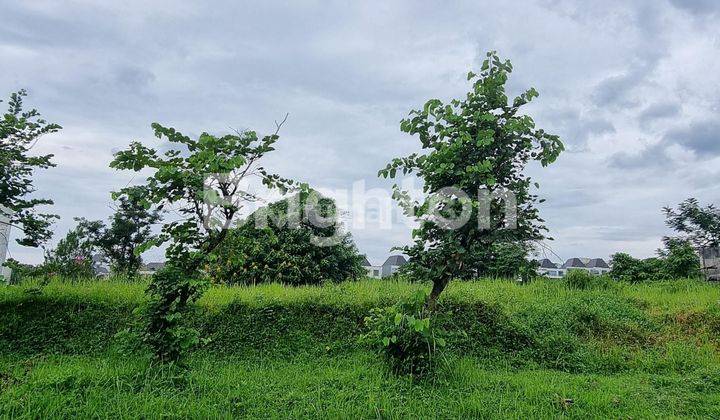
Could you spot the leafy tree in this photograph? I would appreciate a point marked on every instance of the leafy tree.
(72, 258)
(479, 145)
(130, 227)
(677, 260)
(19, 132)
(510, 260)
(269, 247)
(630, 269)
(199, 180)
(680, 259)
(699, 225)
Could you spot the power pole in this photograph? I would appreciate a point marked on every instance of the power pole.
(4, 241)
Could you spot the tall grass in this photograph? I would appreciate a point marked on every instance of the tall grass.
(543, 349)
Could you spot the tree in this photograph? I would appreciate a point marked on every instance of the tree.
(700, 225)
(293, 241)
(680, 259)
(510, 260)
(19, 132)
(677, 260)
(476, 150)
(72, 258)
(130, 227)
(200, 181)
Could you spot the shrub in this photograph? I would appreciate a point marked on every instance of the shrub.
(680, 259)
(578, 279)
(406, 335)
(283, 244)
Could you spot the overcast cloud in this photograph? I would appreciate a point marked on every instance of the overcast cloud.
(632, 87)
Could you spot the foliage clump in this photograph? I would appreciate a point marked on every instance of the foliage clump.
(130, 227)
(678, 260)
(406, 335)
(295, 241)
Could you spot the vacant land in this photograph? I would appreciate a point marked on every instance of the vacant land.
(540, 350)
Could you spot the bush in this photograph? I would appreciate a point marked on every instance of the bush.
(406, 336)
(578, 279)
(277, 245)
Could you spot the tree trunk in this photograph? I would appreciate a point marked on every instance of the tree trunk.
(438, 287)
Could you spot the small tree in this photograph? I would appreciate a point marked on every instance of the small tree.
(199, 180)
(698, 226)
(680, 259)
(72, 258)
(478, 145)
(130, 227)
(268, 247)
(19, 132)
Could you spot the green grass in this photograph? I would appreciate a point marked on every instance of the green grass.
(539, 350)
(352, 386)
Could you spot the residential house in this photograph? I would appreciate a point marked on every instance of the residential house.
(598, 266)
(710, 262)
(595, 266)
(387, 269)
(392, 265)
(550, 269)
(374, 271)
(151, 268)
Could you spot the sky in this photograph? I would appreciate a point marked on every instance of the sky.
(631, 87)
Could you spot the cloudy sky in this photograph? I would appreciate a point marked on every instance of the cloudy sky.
(632, 87)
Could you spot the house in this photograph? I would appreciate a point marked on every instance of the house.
(374, 271)
(387, 269)
(151, 268)
(99, 266)
(598, 266)
(550, 269)
(595, 266)
(710, 262)
(392, 265)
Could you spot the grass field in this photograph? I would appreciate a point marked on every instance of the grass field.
(540, 350)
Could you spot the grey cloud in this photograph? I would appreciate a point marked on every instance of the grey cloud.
(576, 128)
(650, 156)
(616, 90)
(657, 112)
(698, 7)
(701, 137)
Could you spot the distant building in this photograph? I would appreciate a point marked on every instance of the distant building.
(374, 271)
(710, 262)
(549, 269)
(595, 266)
(99, 266)
(388, 268)
(392, 265)
(151, 268)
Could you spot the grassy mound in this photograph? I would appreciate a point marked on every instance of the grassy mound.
(545, 349)
(669, 327)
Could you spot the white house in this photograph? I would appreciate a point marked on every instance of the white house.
(550, 269)
(392, 265)
(4, 241)
(387, 269)
(595, 266)
(374, 271)
(150, 268)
